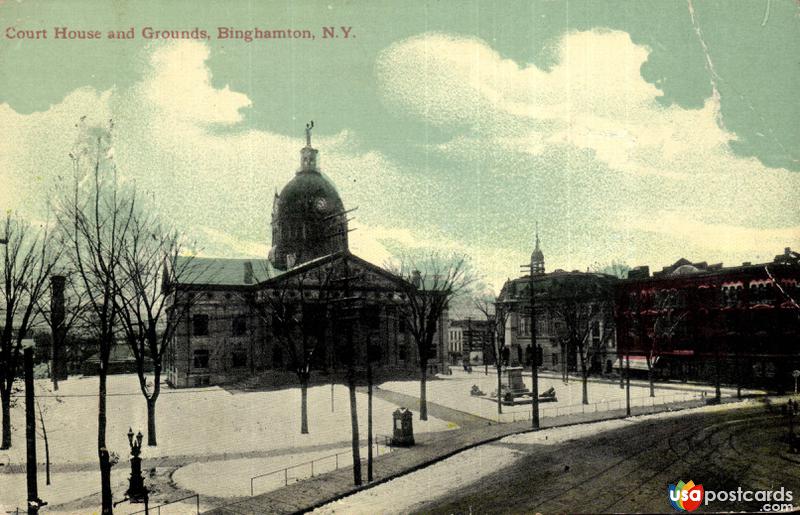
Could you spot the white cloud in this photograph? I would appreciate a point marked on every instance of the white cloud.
(619, 175)
(594, 120)
(185, 144)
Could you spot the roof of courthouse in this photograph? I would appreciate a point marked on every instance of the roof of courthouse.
(223, 271)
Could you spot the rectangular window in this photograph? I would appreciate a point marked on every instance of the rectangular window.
(401, 325)
(201, 358)
(239, 358)
(239, 326)
(200, 325)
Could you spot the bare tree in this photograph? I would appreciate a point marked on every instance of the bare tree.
(665, 325)
(431, 282)
(150, 263)
(582, 306)
(95, 218)
(497, 316)
(29, 256)
(296, 309)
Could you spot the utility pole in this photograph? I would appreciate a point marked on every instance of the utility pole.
(34, 503)
(534, 354)
(369, 411)
(628, 384)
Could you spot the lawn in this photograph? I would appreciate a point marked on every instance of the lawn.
(208, 424)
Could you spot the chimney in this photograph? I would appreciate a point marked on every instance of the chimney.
(787, 251)
(248, 273)
(416, 278)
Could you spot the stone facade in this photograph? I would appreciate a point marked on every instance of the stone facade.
(564, 302)
(311, 305)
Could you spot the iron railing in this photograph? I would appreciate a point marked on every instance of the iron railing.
(157, 509)
(575, 409)
(313, 467)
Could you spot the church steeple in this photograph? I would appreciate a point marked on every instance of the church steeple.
(537, 257)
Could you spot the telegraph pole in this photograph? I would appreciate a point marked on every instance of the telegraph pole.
(534, 354)
(628, 383)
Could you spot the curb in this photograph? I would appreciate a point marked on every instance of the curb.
(450, 454)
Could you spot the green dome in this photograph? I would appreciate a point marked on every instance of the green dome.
(308, 219)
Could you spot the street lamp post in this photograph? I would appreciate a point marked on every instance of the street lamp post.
(137, 492)
(34, 502)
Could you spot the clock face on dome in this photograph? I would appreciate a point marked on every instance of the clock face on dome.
(321, 204)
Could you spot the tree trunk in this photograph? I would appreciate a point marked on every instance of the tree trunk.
(46, 444)
(585, 374)
(369, 421)
(102, 451)
(151, 421)
(351, 385)
(423, 390)
(6, 401)
(499, 384)
(738, 377)
(303, 405)
(651, 377)
(152, 441)
(621, 374)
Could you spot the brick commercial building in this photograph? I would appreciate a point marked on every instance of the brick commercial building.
(688, 321)
(312, 304)
(740, 324)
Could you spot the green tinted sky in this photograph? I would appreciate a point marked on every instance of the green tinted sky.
(449, 124)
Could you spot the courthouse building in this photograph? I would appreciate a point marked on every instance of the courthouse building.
(311, 303)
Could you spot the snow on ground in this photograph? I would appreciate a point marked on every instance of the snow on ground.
(409, 493)
(196, 421)
(453, 391)
(66, 486)
(204, 476)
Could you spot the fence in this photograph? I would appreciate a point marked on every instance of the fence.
(293, 473)
(157, 509)
(619, 404)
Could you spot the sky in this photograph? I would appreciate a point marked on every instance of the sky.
(634, 131)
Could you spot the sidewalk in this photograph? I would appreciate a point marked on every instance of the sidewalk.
(457, 372)
(430, 448)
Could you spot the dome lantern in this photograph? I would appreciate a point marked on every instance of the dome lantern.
(308, 216)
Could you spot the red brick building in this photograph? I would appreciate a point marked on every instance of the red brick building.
(740, 324)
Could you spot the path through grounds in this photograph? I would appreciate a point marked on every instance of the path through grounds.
(430, 448)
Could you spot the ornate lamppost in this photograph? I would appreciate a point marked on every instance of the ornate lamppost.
(137, 492)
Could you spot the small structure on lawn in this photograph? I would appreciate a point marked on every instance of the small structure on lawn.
(513, 386)
(548, 396)
(403, 435)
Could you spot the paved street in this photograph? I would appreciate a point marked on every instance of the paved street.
(430, 448)
(628, 469)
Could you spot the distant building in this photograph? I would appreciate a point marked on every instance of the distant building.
(470, 339)
(311, 301)
(566, 304)
(697, 321)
